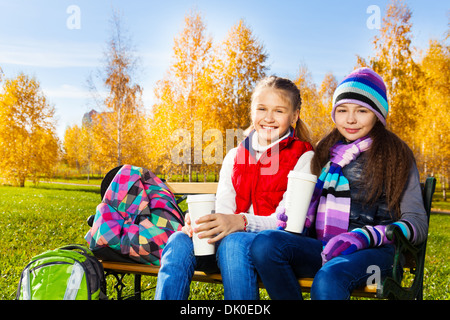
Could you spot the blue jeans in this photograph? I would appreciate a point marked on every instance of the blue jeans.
(233, 259)
(281, 258)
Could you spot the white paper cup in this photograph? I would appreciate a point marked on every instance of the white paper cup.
(200, 205)
(299, 192)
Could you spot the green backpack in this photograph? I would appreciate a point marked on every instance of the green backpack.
(67, 273)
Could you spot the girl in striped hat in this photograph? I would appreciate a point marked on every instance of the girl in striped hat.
(368, 179)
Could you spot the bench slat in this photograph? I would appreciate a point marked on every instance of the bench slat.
(192, 188)
(150, 270)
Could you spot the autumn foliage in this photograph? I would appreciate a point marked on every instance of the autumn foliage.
(202, 104)
(28, 142)
(418, 89)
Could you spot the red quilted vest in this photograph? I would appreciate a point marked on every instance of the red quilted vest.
(262, 183)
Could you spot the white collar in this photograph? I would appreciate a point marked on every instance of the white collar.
(258, 148)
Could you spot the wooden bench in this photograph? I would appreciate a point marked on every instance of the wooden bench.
(391, 287)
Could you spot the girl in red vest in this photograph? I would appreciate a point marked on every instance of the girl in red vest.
(250, 193)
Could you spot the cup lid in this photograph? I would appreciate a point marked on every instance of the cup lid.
(200, 198)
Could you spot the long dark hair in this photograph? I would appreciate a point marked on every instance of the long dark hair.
(387, 169)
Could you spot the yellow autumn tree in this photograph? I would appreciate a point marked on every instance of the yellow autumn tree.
(315, 109)
(394, 61)
(88, 153)
(418, 91)
(178, 97)
(227, 85)
(165, 120)
(119, 131)
(79, 148)
(238, 63)
(432, 134)
(72, 147)
(28, 143)
(326, 91)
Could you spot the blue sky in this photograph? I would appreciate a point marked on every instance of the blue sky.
(324, 35)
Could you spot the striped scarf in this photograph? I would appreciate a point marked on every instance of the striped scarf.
(331, 198)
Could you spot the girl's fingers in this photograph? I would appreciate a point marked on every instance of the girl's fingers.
(206, 218)
(220, 236)
(187, 230)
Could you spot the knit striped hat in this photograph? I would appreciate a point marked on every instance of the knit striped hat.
(363, 87)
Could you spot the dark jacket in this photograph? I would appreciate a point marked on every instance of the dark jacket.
(411, 205)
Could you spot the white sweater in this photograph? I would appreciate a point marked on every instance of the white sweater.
(226, 195)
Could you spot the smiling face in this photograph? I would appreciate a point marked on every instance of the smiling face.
(354, 121)
(272, 115)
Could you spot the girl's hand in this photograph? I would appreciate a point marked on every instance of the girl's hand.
(344, 243)
(218, 225)
(187, 228)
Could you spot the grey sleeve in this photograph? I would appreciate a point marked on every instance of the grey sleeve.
(412, 207)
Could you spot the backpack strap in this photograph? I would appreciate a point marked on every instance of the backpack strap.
(74, 282)
(107, 180)
(73, 247)
(26, 291)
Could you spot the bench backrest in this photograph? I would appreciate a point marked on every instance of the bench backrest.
(183, 188)
(428, 191)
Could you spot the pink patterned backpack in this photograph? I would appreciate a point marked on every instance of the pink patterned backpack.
(137, 215)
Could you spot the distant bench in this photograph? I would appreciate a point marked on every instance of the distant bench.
(391, 287)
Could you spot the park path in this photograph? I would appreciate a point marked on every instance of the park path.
(72, 184)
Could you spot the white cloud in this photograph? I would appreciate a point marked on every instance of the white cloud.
(50, 54)
(67, 91)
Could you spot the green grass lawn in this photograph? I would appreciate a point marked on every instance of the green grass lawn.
(36, 219)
